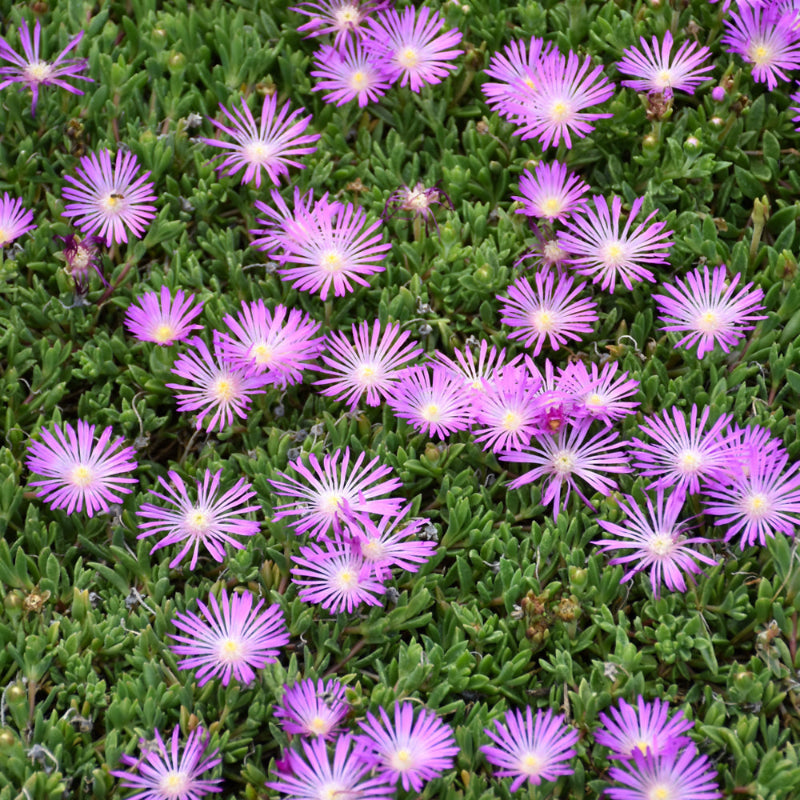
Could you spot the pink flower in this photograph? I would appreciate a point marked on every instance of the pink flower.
(161, 318)
(338, 17)
(551, 192)
(14, 219)
(313, 708)
(517, 62)
(350, 74)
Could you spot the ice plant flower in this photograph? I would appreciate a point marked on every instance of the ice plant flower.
(601, 396)
(74, 471)
(313, 708)
(212, 520)
(349, 74)
(174, 772)
(286, 228)
(411, 748)
(338, 17)
(370, 364)
(528, 749)
(108, 199)
(598, 248)
(334, 491)
(545, 253)
(709, 310)
(657, 70)
(231, 639)
(551, 192)
(408, 45)
(546, 314)
(162, 319)
(81, 257)
(517, 62)
(269, 145)
(647, 727)
(33, 71)
(215, 388)
(14, 219)
(656, 542)
(476, 376)
(417, 201)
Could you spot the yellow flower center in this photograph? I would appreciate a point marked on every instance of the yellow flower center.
(613, 253)
(689, 461)
(643, 745)
(224, 390)
(358, 81)
(197, 520)
(366, 374)
(660, 545)
(594, 400)
(38, 72)
(552, 206)
(401, 760)
(81, 476)
(708, 322)
(229, 651)
(4, 237)
(347, 15)
(331, 504)
(530, 764)
(262, 353)
(543, 320)
(660, 792)
(760, 53)
(552, 252)
(164, 333)
(331, 261)
(564, 462)
(409, 58)
(347, 579)
(257, 152)
(559, 111)
(529, 82)
(431, 413)
(373, 549)
(511, 421)
(318, 726)
(112, 201)
(334, 791)
(664, 79)
(757, 505)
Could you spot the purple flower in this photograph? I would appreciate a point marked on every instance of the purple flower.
(109, 198)
(163, 319)
(556, 399)
(708, 311)
(648, 727)
(172, 773)
(600, 395)
(656, 542)
(517, 62)
(657, 70)
(412, 749)
(313, 708)
(351, 73)
(334, 491)
(14, 219)
(286, 228)
(551, 193)
(419, 202)
(369, 364)
(529, 749)
(229, 641)
(268, 145)
(215, 387)
(596, 246)
(408, 45)
(795, 98)
(546, 313)
(338, 17)
(81, 256)
(74, 470)
(476, 376)
(34, 72)
(212, 520)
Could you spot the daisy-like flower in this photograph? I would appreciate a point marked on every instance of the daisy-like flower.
(162, 319)
(336, 577)
(334, 491)
(556, 399)
(313, 708)
(679, 773)
(230, 640)
(369, 364)
(598, 248)
(14, 219)
(570, 455)
(760, 35)
(174, 772)
(656, 542)
(408, 44)
(215, 387)
(646, 727)
(270, 145)
(429, 399)
(546, 313)
(411, 749)
(74, 471)
(417, 201)
(310, 775)
(34, 72)
(545, 254)
(349, 74)
(109, 198)
(213, 520)
(549, 103)
(338, 17)
(657, 70)
(476, 376)
(517, 62)
(280, 344)
(81, 258)
(529, 749)
(551, 192)
(709, 310)
(286, 229)
(679, 455)
(600, 395)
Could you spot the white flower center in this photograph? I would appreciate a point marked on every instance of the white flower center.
(367, 374)
(164, 333)
(373, 549)
(552, 252)
(543, 320)
(331, 503)
(229, 651)
(197, 520)
(661, 792)
(262, 353)
(613, 253)
(595, 401)
(661, 544)
(761, 53)
(113, 202)
(358, 80)
(757, 505)
(708, 322)
(663, 79)
(431, 413)
(346, 16)
(81, 476)
(174, 784)
(511, 421)
(408, 57)
(257, 152)
(318, 726)
(529, 764)
(690, 461)
(223, 390)
(564, 462)
(347, 579)
(553, 206)
(38, 72)
(401, 760)
(560, 111)
(331, 261)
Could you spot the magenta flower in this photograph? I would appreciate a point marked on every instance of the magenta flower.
(657, 70)
(213, 520)
(709, 310)
(231, 641)
(545, 254)
(32, 71)
(268, 145)
(517, 62)
(795, 98)
(163, 319)
(551, 192)
(648, 727)
(408, 44)
(286, 229)
(279, 344)
(73, 470)
(215, 387)
(110, 199)
(419, 202)
(14, 219)
(475, 377)
(352, 73)
(81, 256)
(335, 491)
(173, 773)
(528, 749)
(411, 749)
(656, 542)
(600, 395)
(313, 708)
(369, 364)
(338, 17)
(596, 247)
(546, 314)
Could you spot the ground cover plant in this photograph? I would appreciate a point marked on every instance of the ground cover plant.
(399, 399)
